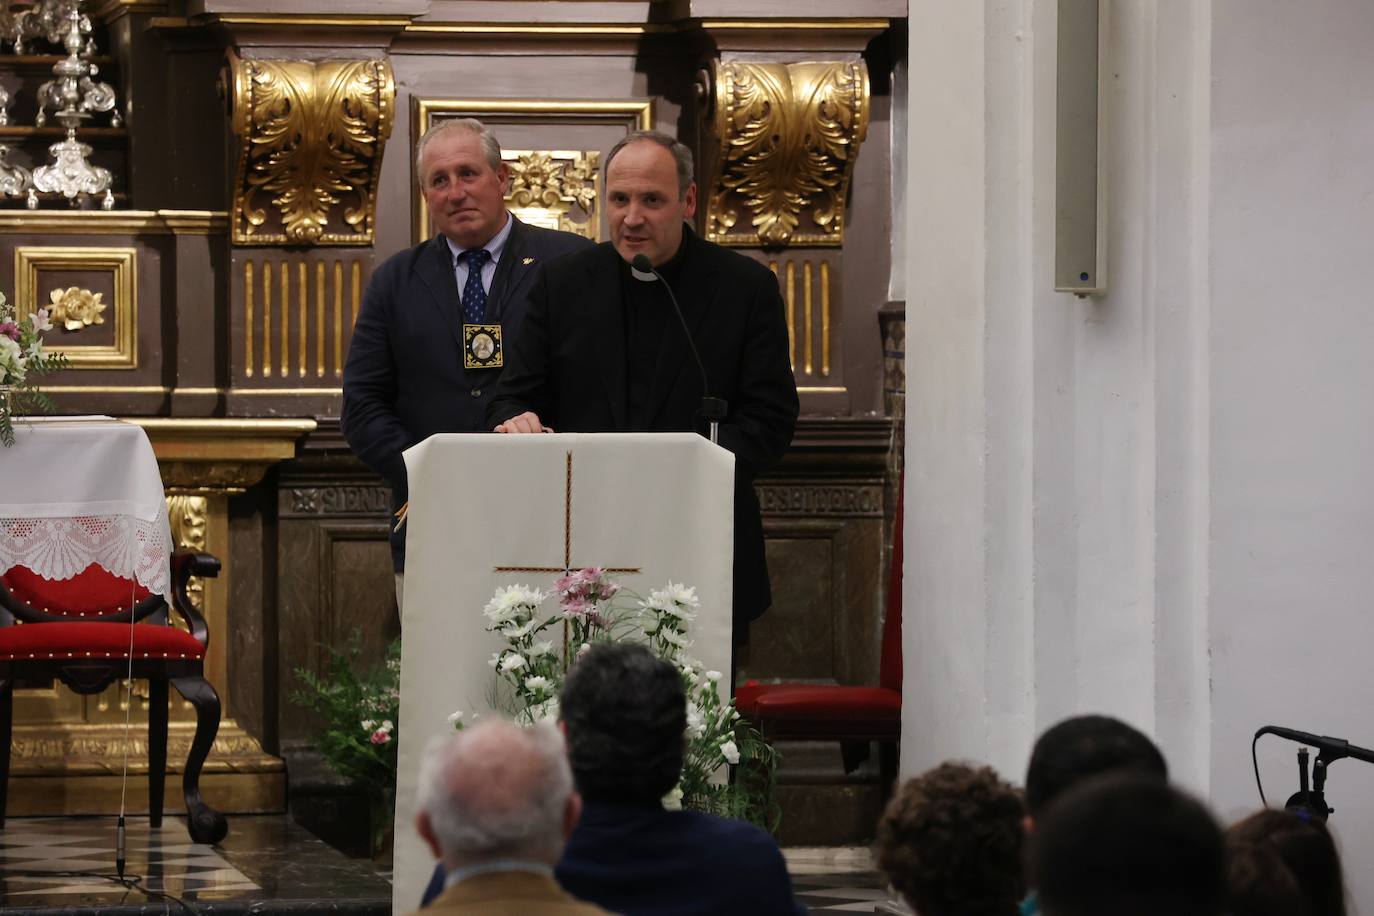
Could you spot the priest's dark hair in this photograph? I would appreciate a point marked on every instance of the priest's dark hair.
(1082, 747)
(625, 713)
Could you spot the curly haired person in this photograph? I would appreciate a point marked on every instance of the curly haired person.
(951, 843)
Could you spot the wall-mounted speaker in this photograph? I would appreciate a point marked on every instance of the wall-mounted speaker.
(1080, 257)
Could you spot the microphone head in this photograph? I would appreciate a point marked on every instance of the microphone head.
(641, 268)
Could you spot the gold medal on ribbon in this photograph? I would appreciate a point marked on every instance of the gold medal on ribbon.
(482, 346)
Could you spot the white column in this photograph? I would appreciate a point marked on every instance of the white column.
(1056, 447)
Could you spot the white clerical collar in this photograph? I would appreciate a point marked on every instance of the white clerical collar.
(500, 865)
(494, 247)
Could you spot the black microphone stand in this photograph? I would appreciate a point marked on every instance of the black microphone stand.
(1311, 800)
(713, 409)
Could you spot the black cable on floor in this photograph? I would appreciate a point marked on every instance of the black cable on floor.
(128, 882)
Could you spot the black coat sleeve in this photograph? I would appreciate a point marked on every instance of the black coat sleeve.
(369, 419)
(763, 410)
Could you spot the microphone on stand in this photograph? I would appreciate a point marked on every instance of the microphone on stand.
(713, 409)
(1332, 749)
(1311, 800)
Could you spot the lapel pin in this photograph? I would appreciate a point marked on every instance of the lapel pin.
(527, 261)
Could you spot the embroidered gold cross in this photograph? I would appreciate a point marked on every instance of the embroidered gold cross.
(567, 566)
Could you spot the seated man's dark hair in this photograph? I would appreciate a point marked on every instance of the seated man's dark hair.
(625, 713)
(1128, 845)
(1082, 747)
(951, 842)
(1279, 862)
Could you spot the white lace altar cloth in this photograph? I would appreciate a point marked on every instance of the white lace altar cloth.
(81, 490)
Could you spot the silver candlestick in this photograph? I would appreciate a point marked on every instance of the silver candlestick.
(74, 96)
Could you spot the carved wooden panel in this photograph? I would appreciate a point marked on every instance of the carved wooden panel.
(334, 579)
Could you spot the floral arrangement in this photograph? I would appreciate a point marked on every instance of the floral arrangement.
(357, 738)
(22, 359)
(593, 607)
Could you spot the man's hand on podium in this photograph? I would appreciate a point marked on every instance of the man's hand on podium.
(527, 422)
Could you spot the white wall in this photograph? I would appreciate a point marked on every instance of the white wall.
(1056, 451)
(1292, 375)
(1158, 503)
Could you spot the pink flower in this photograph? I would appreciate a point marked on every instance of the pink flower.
(608, 590)
(577, 606)
(10, 330)
(565, 584)
(380, 736)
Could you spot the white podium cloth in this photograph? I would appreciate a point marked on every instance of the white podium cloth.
(81, 490)
(662, 503)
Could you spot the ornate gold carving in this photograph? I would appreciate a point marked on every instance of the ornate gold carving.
(549, 188)
(787, 136)
(312, 135)
(120, 264)
(287, 328)
(75, 308)
(188, 517)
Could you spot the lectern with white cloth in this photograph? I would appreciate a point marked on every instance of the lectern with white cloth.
(490, 510)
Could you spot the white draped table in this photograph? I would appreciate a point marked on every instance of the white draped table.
(489, 511)
(81, 490)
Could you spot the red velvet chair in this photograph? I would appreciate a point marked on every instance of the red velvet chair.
(854, 716)
(78, 631)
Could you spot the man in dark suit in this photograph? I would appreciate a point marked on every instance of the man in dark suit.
(439, 318)
(602, 350)
(624, 713)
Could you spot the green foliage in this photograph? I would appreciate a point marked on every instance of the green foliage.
(359, 712)
(22, 360)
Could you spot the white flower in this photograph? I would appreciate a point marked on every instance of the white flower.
(673, 800)
(507, 602)
(369, 725)
(455, 717)
(495, 659)
(681, 595)
(583, 649)
(713, 676)
(524, 629)
(538, 682)
(546, 711)
(730, 752)
(512, 662)
(387, 725)
(540, 647)
(13, 365)
(40, 320)
(674, 639)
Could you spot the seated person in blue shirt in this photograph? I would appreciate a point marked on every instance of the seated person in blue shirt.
(625, 716)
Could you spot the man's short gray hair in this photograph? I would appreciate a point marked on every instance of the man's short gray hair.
(491, 149)
(497, 791)
(686, 168)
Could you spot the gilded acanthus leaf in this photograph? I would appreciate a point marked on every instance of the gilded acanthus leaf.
(788, 136)
(312, 137)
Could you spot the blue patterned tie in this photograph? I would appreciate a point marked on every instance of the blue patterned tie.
(474, 296)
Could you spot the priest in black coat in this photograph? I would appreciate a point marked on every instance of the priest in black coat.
(415, 366)
(601, 349)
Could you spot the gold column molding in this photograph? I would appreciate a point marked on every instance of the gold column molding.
(311, 138)
(221, 455)
(787, 136)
